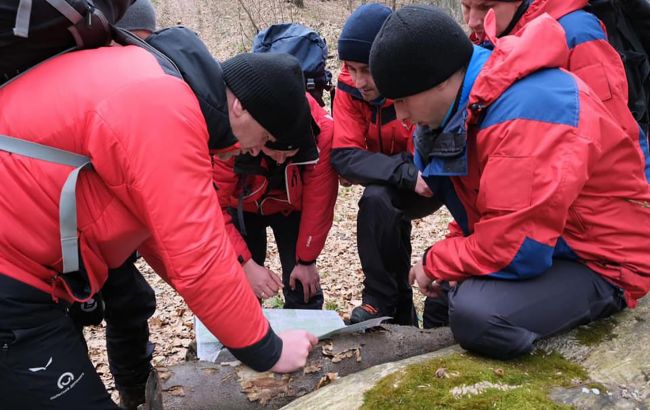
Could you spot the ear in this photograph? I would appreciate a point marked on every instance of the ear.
(237, 108)
(444, 84)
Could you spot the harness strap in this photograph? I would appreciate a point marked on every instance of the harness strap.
(23, 16)
(67, 200)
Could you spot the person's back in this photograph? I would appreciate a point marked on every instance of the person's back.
(590, 56)
(64, 114)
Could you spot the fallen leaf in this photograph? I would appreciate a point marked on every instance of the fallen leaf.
(177, 391)
(441, 373)
(327, 379)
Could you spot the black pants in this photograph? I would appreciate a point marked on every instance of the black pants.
(384, 245)
(44, 363)
(503, 319)
(285, 230)
(128, 303)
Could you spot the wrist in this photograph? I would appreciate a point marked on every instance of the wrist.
(305, 263)
(426, 267)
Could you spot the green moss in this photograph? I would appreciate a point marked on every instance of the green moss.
(331, 305)
(418, 387)
(276, 302)
(596, 332)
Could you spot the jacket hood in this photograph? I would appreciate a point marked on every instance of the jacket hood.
(555, 8)
(515, 57)
(203, 74)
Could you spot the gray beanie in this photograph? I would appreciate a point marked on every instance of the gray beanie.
(139, 16)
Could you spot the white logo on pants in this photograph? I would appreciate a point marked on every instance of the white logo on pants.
(66, 382)
(65, 379)
(38, 369)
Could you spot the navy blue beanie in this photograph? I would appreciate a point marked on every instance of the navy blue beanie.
(360, 31)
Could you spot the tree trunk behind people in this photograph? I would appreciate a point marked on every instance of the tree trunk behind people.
(230, 385)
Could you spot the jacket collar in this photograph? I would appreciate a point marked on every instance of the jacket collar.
(204, 76)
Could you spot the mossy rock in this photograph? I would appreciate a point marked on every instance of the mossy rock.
(597, 332)
(614, 353)
(465, 381)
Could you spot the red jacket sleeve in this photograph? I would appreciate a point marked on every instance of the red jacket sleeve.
(167, 171)
(351, 126)
(319, 195)
(226, 180)
(522, 213)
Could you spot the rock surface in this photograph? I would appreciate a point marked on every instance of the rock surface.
(618, 359)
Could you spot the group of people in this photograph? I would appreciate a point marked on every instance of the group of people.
(532, 149)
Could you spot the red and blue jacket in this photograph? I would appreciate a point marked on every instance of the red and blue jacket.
(544, 171)
(310, 188)
(370, 145)
(593, 59)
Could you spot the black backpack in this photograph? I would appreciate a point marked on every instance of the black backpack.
(628, 31)
(32, 31)
(307, 46)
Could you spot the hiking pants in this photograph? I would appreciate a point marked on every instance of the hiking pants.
(128, 303)
(285, 230)
(504, 318)
(44, 363)
(384, 245)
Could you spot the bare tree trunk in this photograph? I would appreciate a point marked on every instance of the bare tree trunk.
(250, 17)
(230, 385)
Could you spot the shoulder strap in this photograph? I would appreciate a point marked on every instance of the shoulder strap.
(67, 200)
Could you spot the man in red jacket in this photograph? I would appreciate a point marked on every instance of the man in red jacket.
(590, 56)
(149, 131)
(547, 190)
(374, 149)
(294, 193)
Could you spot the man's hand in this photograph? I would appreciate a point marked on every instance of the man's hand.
(428, 287)
(308, 277)
(421, 187)
(296, 345)
(265, 282)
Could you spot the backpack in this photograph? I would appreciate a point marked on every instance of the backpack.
(32, 31)
(628, 30)
(307, 46)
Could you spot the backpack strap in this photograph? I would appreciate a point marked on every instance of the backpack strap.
(67, 200)
(23, 16)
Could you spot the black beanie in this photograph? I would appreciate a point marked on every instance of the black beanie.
(271, 87)
(360, 30)
(417, 48)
